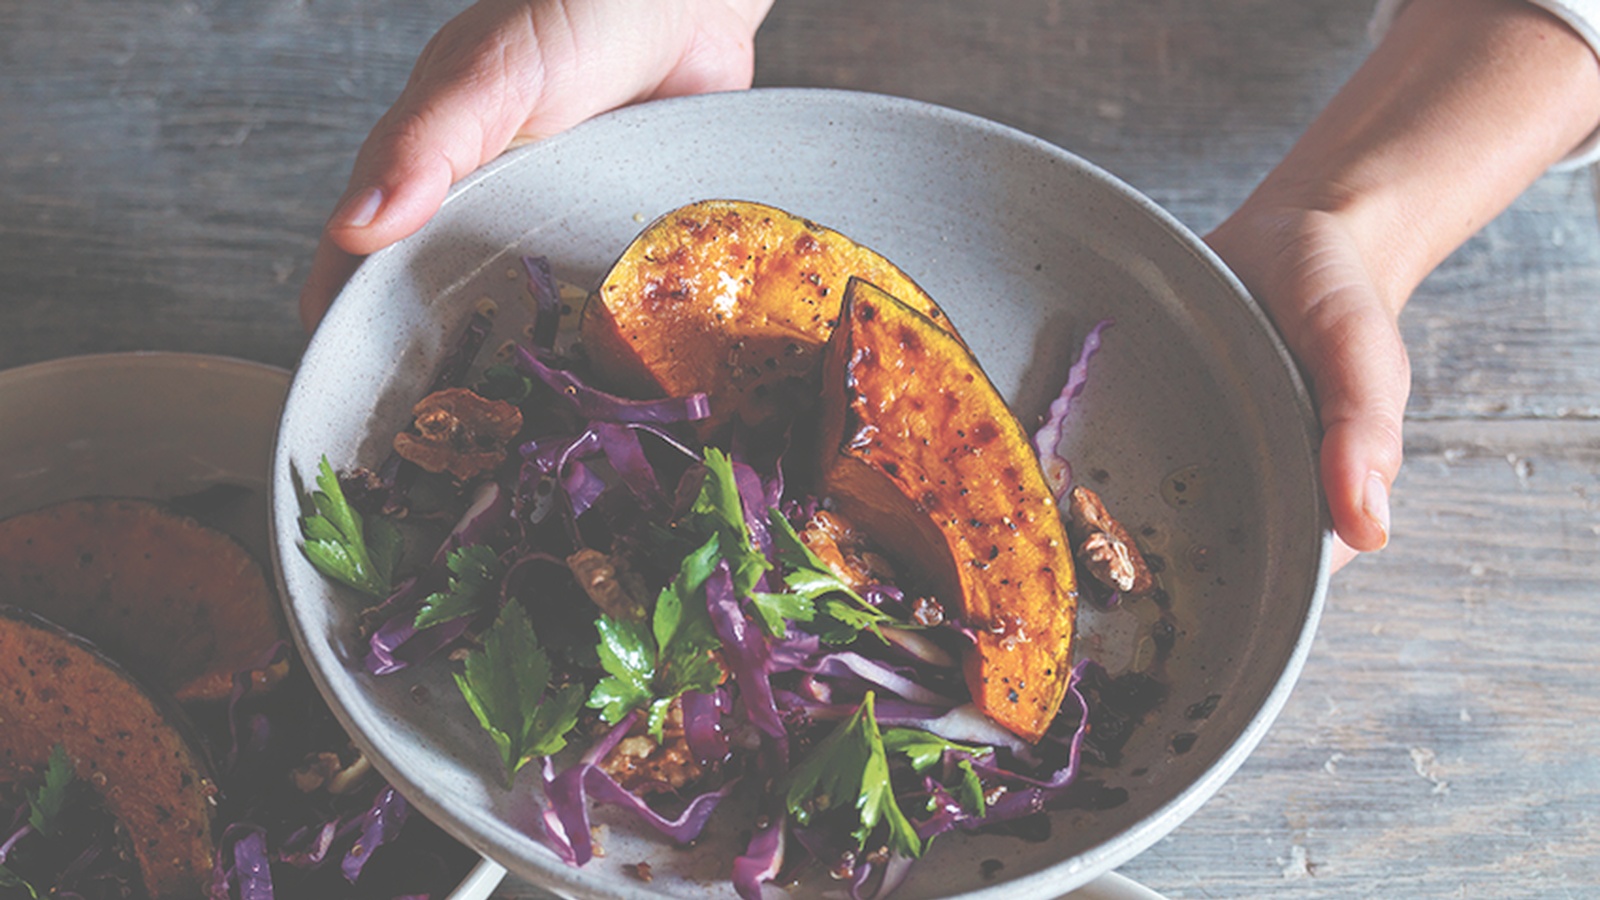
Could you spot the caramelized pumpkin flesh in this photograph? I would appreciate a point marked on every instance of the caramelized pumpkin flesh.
(921, 451)
(732, 298)
(179, 603)
(137, 751)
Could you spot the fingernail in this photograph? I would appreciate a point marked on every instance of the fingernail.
(359, 210)
(1375, 503)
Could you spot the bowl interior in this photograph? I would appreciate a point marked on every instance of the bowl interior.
(1194, 427)
(156, 425)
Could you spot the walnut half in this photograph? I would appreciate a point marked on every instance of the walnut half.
(459, 432)
(1103, 546)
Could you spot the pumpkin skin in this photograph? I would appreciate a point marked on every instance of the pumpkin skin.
(732, 298)
(180, 604)
(136, 750)
(920, 450)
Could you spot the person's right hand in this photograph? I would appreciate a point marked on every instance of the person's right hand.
(506, 72)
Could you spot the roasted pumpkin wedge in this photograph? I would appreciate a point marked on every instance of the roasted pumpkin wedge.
(732, 298)
(135, 749)
(180, 604)
(921, 452)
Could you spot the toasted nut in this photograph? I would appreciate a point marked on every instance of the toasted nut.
(1109, 561)
(1103, 546)
(459, 432)
(315, 771)
(597, 574)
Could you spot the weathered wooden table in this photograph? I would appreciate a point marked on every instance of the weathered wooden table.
(165, 168)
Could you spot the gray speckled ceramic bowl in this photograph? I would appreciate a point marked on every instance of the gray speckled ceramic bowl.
(1194, 427)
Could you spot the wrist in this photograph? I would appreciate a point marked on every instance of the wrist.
(1462, 105)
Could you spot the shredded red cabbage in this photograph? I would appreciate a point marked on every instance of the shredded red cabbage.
(745, 648)
(1047, 440)
(585, 458)
(593, 404)
(379, 825)
(546, 300)
(879, 674)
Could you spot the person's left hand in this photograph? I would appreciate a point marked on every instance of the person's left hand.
(505, 72)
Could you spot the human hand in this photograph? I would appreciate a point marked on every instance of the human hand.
(506, 72)
(1305, 267)
(1456, 111)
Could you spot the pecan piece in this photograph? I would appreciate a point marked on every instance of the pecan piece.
(836, 541)
(1103, 546)
(644, 766)
(608, 584)
(460, 432)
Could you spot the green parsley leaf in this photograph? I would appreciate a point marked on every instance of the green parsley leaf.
(343, 547)
(10, 879)
(628, 654)
(776, 610)
(650, 666)
(473, 585)
(46, 803)
(507, 685)
(717, 509)
(504, 382)
(809, 577)
(926, 750)
(850, 766)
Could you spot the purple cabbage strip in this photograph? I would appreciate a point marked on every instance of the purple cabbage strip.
(895, 869)
(591, 403)
(702, 725)
(626, 455)
(582, 487)
(247, 865)
(17, 830)
(1047, 440)
(684, 829)
(569, 793)
(569, 798)
(459, 361)
(948, 812)
(546, 299)
(745, 650)
(1035, 794)
(762, 858)
(252, 866)
(397, 642)
(380, 824)
(555, 829)
(307, 847)
(964, 724)
(888, 711)
(564, 458)
(848, 664)
(753, 500)
(769, 470)
(490, 508)
(764, 853)
(794, 651)
(916, 645)
(275, 654)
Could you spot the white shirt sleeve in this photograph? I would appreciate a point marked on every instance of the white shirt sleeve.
(1582, 15)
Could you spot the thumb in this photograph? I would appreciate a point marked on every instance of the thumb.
(1335, 323)
(1361, 378)
(500, 71)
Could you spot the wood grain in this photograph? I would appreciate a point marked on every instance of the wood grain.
(165, 168)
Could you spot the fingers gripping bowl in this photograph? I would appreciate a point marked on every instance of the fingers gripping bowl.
(1195, 428)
